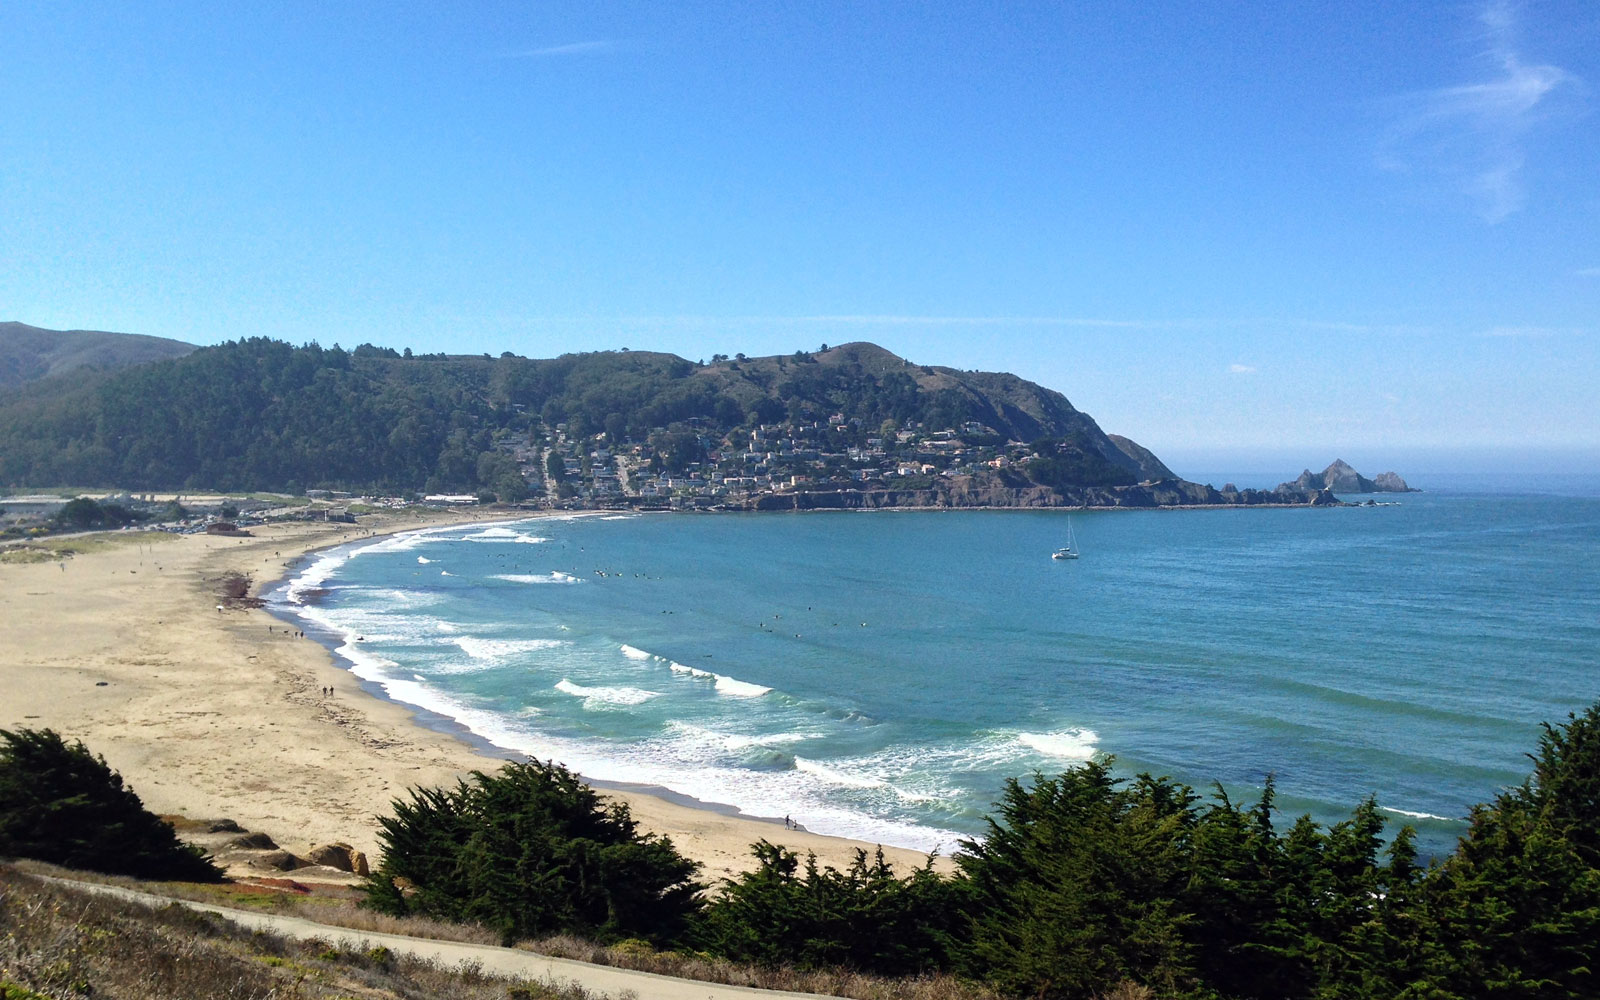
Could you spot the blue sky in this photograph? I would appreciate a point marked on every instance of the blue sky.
(1370, 229)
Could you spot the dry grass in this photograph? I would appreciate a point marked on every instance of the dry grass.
(54, 549)
(337, 907)
(639, 956)
(63, 944)
(332, 905)
(24, 554)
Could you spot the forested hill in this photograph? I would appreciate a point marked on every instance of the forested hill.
(28, 353)
(262, 414)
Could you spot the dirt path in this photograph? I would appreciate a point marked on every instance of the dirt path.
(501, 961)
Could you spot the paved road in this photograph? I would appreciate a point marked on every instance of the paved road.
(503, 961)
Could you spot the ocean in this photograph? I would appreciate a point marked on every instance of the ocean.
(880, 675)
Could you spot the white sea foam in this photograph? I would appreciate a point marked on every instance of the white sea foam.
(687, 766)
(1416, 815)
(739, 689)
(555, 577)
(445, 572)
(729, 686)
(737, 741)
(424, 560)
(605, 695)
(497, 649)
(1069, 744)
(409, 598)
(635, 653)
(834, 776)
(313, 577)
(447, 627)
(499, 534)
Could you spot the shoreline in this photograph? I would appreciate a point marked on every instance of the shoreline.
(211, 713)
(446, 725)
(274, 594)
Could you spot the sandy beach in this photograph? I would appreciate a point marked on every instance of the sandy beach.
(210, 713)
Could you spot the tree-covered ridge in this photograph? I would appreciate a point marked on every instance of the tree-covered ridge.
(264, 415)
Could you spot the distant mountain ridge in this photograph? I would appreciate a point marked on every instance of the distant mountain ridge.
(1341, 478)
(29, 353)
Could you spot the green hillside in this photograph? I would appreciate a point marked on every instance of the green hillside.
(265, 415)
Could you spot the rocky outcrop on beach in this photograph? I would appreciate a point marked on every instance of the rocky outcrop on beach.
(278, 861)
(1341, 478)
(341, 856)
(246, 854)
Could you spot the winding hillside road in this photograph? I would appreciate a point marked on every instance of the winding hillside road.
(501, 961)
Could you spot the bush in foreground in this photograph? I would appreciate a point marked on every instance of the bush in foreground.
(863, 918)
(60, 803)
(531, 850)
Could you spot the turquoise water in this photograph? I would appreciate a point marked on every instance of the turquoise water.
(879, 675)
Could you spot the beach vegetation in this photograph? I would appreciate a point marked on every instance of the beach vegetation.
(62, 804)
(531, 850)
(86, 513)
(792, 913)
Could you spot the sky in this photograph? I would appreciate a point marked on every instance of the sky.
(1311, 229)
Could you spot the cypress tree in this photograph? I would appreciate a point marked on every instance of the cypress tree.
(527, 851)
(60, 803)
(1517, 908)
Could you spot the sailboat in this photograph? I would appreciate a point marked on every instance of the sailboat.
(1070, 550)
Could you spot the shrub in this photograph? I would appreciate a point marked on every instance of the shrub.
(60, 803)
(530, 850)
(1516, 909)
(862, 918)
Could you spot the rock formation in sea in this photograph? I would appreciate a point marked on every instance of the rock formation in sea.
(1341, 478)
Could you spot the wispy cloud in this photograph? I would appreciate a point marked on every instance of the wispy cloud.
(1238, 369)
(1528, 332)
(1471, 136)
(594, 47)
(1588, 272)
